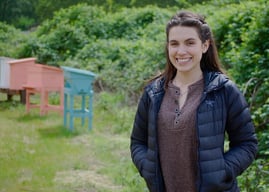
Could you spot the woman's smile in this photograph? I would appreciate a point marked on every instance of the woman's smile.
(183, 61)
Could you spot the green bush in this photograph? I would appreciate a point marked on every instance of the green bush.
(121, 63)
(124, 48)
(243, 32)
(11, 40)
(256, 178)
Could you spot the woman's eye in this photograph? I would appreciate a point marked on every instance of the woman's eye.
(190, 43)
(173, 44)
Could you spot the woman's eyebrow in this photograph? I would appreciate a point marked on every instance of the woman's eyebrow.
(189, 39)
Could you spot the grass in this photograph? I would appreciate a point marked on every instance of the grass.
(39, 154)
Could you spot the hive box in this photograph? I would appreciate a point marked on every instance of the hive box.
(4, 72)
(18, 72)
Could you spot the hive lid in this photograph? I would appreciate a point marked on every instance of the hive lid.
(79, 71)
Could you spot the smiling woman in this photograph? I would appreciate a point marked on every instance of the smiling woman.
(179, 129)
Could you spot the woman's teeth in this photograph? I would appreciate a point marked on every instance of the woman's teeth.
(182, 60)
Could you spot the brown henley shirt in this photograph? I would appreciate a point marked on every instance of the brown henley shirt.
(177, 138)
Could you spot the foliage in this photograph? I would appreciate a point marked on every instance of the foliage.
(112, 108)
(59, 39)
(122, 64)
(19, 13)
(256, 177)
(11, 40)
(242, 33)
(111, 45)
(25, 14)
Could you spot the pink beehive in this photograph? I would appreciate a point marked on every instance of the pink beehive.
(43, 79)
(44, 76)
(18, 72)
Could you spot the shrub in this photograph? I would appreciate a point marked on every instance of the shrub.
(123, 48)
(11, 40)
(245, 51)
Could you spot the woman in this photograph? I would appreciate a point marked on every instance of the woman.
(177, 142)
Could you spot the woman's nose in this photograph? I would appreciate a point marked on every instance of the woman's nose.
(181, 49)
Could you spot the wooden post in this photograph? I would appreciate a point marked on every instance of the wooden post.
(23, 96)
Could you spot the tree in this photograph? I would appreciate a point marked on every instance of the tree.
(20, 13)
(6, 9)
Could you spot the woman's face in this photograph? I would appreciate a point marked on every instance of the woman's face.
(185, 49)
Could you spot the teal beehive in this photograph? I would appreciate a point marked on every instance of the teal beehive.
(78, 82)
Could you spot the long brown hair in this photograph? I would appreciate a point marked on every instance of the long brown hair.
(210, 60)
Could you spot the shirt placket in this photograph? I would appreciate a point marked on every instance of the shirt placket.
(176, 107)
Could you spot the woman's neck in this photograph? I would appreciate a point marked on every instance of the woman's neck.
(183, 80)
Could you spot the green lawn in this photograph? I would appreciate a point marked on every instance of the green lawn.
(38, 154)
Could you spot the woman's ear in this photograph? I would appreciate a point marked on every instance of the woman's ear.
(205, 46)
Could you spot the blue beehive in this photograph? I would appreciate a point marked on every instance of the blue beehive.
(77, 82)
